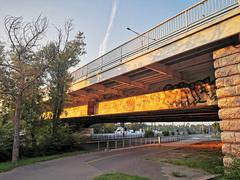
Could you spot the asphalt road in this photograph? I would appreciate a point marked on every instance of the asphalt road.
(86, 166)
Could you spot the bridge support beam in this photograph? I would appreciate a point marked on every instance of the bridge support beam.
(227, 73)
(91, 108)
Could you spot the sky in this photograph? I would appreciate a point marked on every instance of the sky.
(103, 22)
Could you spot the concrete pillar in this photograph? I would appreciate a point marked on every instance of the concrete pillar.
(227, 73)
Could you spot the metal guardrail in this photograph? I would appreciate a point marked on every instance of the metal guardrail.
(131, 142)
(192, 17)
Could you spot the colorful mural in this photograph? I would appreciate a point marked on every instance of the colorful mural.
(77, 111)
(182, 95)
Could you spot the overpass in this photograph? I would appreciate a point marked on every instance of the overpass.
(183, 69)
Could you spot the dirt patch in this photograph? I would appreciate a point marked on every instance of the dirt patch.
(187, 173)
(207, 144)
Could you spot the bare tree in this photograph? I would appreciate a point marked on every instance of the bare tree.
(21, 66)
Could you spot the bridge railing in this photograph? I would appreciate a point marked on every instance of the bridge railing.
(154, 38)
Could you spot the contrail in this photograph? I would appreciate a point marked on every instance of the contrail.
(103, 45)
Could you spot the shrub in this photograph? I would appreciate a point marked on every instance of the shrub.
(6, 140)
(149, 133)
(38, 141)
(46, 144)
(165, 133)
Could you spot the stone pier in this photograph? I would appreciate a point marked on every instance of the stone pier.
(227, 73)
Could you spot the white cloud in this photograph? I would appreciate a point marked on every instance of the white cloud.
(103, 45)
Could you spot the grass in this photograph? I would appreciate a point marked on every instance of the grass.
(6, 166)
(119, 176)
(210, 161)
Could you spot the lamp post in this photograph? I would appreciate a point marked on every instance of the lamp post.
(135, 32)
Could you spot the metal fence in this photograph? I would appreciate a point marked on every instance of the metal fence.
(192, 17)
(115, 136)
(131, 142)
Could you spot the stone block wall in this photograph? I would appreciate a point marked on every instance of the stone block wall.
(227, 73)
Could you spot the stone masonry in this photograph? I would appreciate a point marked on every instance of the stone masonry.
(227, 73)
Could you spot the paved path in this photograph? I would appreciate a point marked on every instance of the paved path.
(86, 166)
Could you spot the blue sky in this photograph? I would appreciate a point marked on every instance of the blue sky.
(93, 16)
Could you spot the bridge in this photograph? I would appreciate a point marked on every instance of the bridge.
(186, 68)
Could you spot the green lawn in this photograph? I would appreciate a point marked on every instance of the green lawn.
(119, 176)
(6, 166)
(208, 160)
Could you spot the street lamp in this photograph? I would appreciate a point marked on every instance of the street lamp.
(135, 32)
(129, 29)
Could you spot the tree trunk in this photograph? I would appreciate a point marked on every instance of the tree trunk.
(16, 141)
(57, 111)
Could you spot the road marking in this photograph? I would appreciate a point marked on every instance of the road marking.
(141, 149)
(124, 152)
(100, 159)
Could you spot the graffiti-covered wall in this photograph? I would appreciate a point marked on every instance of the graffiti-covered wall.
(182, 95)
(77, 111)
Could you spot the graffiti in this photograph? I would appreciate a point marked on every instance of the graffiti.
(190, 94)
(182, 95)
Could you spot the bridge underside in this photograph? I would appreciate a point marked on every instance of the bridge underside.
(188, 82)
(197, 114)
(184, 78)
(190, 66)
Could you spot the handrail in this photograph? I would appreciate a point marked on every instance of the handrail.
(183, 21)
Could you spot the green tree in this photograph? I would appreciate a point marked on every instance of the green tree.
(62, 55)
(20, 65)
(104, 128)
(136, 126)
(33, 108)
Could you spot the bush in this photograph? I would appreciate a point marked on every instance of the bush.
(149, 133)
(6, 140)
(165, 133)
(38, 141)
(46, 144)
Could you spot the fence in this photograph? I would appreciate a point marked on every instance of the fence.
(130, 142)
(154, 38)
(111, 136)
